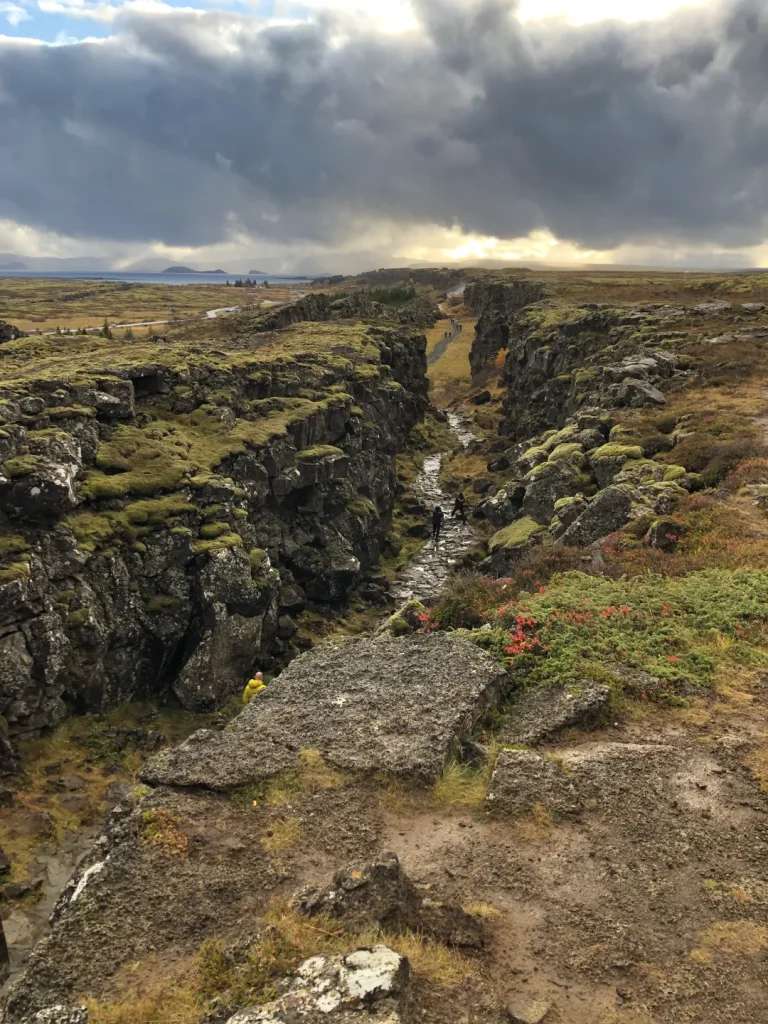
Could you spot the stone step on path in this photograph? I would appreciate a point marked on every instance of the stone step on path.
(428, 572)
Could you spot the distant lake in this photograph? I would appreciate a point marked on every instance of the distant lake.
(137, 278)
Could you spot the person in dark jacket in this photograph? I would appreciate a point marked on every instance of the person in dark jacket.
(460, 507)
(437, 523)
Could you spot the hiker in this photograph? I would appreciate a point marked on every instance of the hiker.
(437, 523)
(254, 687)
(460, 507)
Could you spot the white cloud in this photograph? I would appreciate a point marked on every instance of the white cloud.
(13, 13)
(582, 12)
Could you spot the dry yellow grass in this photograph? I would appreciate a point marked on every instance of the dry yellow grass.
(282, 835)
(735, 938)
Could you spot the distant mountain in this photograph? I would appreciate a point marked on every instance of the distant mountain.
(180, 269)
(261, 273)
(10, 262)
(43, 263)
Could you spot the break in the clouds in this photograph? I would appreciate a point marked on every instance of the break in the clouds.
(193, 129)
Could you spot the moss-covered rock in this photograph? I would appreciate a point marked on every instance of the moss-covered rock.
(516, 535)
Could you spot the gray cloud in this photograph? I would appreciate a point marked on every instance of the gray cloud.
(183, 128)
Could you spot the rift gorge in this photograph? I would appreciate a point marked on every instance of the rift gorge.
(514, 773)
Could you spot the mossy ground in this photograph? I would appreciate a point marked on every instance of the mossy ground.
(88, 748)
(40, 304)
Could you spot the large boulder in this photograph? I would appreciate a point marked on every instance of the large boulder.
(608, 511)
(369, 984)
(380, 895)
(393, 704)
(541, 713)
(549, 482)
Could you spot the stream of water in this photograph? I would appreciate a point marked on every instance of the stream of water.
(427, 573)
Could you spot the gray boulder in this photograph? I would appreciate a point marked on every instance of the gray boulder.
(609, 510)
(541, 713)
(368, 984)
(636, 392)
(381, 895)
(547, 484)
(394, 704)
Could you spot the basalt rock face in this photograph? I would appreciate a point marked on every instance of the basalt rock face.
(164, 509)
(496, 305)
(561, 359)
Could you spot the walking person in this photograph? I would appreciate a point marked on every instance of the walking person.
(437, 524)
(460, 508)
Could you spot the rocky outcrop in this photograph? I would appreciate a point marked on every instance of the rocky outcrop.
(369, 984)
(576, 485)
(167, 507)
(398, 705)
(496, 305)
(380, 895)
(561, 359)
(9, 332)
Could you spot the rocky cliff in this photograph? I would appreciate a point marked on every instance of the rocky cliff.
(496, 305)
(168, 505)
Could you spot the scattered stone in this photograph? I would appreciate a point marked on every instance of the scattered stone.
(381, 895)
(9, 332)
(370, 983)
(522, 1010)
(5, 863)
(58, 1015)
(539, 714)
(481, 398)
(638, 393)
(400, 705)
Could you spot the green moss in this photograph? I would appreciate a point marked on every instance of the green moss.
(62, 412)
(22, 465)
(162, 603)
(240, 513)
(15, 571)
(614, 450)
(674, 472)
(563, 503)
(516, 534)
(535, 454)
(181, 531)
(319, 451)
(258, 558)
(221, 543)
(362, 507)
(12, 544)
(568, 451)
(211, 530)
(77, 619)
(584, 375)
(139, 547)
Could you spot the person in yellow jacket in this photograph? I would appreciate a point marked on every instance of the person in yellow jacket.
(254, 687)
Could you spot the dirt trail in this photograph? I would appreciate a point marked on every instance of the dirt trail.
(429, 570)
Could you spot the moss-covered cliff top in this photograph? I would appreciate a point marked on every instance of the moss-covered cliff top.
(85, 358)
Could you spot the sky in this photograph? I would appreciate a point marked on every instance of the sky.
(337, 135)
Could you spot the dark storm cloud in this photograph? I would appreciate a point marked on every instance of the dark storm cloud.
(185, 127)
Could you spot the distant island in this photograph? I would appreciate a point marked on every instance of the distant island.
(188, 270)
(261, 273)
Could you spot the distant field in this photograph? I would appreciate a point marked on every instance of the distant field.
(37, 304)
(449, 374)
